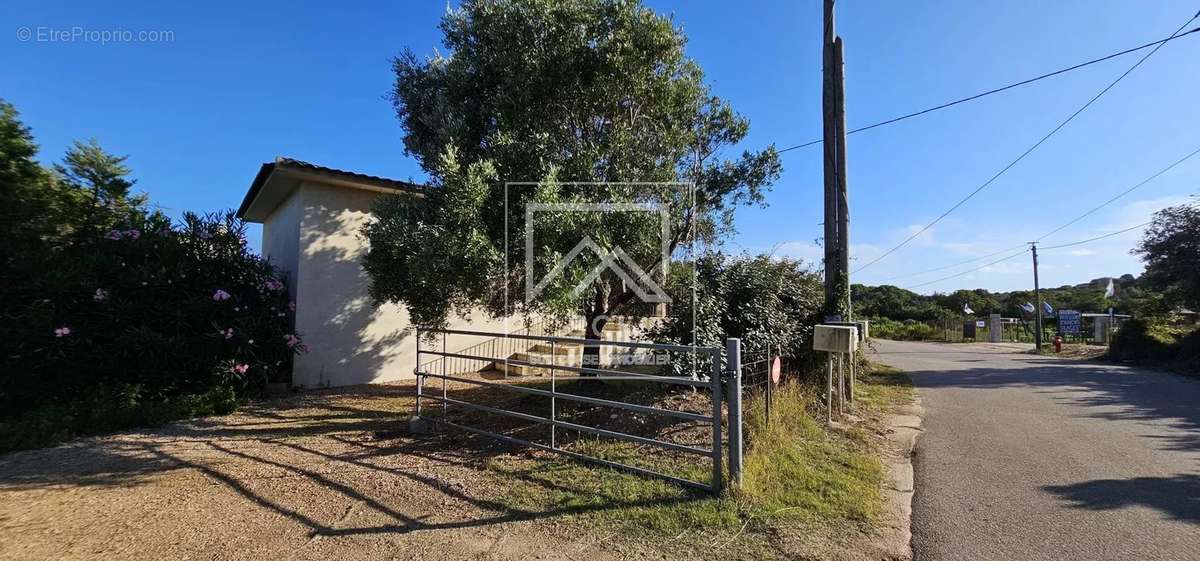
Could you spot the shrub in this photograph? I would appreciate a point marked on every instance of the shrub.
(139, 325)
(1138, 339)
(907, 330)
(769, 303)
(1141, 340)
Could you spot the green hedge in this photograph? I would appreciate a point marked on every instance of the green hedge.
(138, 325)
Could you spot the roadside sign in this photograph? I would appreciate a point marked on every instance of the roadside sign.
(980, 324)
(1070, 321)
(776, 367)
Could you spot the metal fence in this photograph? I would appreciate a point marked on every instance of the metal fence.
(558, 371)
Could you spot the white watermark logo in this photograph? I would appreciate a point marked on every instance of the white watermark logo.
(80, 34)
(610, 247)
(635, 277)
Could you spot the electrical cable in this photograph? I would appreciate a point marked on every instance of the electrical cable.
(1026, 152)
(996, 90)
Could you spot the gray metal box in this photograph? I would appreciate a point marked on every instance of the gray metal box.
(835, 338)
(862, 325)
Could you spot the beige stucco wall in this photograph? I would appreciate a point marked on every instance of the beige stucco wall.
(350, 340)
(281, 240)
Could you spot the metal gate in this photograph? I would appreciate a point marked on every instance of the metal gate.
(711, 355)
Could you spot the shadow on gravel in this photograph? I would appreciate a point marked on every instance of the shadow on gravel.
(331, 446)
(1178, 496)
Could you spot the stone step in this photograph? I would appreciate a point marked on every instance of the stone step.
(557, 348)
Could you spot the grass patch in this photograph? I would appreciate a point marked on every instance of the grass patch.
(798, 474)
(612, 498)
(882, 387)
(796, 469)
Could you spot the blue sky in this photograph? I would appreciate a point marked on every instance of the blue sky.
(241, 83)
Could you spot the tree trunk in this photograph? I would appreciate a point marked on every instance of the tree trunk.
(593, 332)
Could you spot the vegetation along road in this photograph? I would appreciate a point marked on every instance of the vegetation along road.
(1030, 457)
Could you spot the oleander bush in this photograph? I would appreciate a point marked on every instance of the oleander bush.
(115, 316)
(145, 323)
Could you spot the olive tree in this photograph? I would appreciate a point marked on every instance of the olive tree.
(586, 101)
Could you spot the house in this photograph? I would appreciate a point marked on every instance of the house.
(311, 217)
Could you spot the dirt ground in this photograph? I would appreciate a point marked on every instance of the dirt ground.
(316, 476)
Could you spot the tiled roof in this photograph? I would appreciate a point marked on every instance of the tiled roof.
(354, 176)
(292, 164)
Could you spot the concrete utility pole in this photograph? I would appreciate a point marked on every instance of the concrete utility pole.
(843, 194)
(1037, 290)
(837, 202)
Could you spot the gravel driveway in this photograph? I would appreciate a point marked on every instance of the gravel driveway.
(1028, 457)
(311, 477)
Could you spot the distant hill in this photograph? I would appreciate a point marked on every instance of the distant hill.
(901, 304)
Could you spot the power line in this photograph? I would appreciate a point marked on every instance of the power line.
(968, 271)
(960, 263)
(1122, 194)
(1058, 246)
(997, 90)
(1058, 229)
(1027, 151)
(1108, 235)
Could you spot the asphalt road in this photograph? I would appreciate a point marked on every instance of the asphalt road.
(1025, 457)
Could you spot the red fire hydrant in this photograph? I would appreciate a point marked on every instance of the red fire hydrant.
(1058, 343)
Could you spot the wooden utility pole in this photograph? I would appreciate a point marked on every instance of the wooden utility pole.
(1037, 290)
(837, 203)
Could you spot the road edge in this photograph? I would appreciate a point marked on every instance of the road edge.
(904, 426)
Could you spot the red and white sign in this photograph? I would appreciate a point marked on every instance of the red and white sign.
(776, 367)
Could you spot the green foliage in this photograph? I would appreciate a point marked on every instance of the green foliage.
(1170, 247)
(795, 470)
(553, 92)
(92, 191)
(106, 411)
(907, 330)
(895, 303)
(114, 316)
(768, 303)
(23, 200)
(1156, 341)
(1132, 295)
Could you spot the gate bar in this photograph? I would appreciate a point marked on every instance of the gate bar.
(603, 372)
(581, 457)
(583, 399)
(589, 342)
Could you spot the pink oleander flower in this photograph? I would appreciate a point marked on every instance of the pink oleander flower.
(62, 331)
(132, 234)
(101, 295)
(292, 306)
(113, 235)
(273, 285)
(240, 369)
(227, 333)
(220, 295)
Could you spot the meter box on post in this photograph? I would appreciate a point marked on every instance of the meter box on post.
(835, 338)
